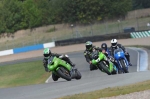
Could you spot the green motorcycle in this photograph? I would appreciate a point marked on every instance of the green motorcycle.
(102, 63)
(61, 68)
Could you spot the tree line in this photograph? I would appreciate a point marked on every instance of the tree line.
(24, 14)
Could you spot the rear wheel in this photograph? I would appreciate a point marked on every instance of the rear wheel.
(105, 67)
(64, 73)
(78, 75)
(124, 66)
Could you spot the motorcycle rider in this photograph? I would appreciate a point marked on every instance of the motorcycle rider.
(105, 50)
(115, 45)
(88, 52)
(47, 54)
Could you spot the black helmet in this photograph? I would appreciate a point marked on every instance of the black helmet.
(89, 45)
(47, 53)
(104, 46)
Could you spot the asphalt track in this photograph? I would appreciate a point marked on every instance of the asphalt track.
(90, 81)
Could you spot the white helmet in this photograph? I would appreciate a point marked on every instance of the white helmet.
(114, 42)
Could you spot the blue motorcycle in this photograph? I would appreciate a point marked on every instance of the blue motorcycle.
(123, 64)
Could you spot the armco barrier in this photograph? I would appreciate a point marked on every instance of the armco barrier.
(140, 34)
(6, 52)
(47, 45)
(33, 47)
(92, 38)
(27, 48)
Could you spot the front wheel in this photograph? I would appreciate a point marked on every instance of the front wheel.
(55, 77)
(124, 66)
(64, 73)
(105, 67)
(93, 67)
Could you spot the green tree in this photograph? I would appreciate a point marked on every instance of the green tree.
(140, 4)
(117, 8)
(10, 16)
(32, 14)
(23, 14)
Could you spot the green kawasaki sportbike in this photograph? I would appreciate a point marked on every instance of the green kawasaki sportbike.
(102, 63)
(61, 68)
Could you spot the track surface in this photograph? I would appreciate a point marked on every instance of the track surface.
(91, 80)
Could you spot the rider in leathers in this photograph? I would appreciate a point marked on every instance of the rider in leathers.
(47, 54)
(105, 50)
(115, 45)
(87, 53)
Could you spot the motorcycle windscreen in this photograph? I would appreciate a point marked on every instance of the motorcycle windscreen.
(50, 60)
(118, 53)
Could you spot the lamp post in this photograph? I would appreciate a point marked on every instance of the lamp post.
(91, 28)
(72, 29)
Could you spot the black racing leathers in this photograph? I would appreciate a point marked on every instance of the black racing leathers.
(88, 56)
(88, 53)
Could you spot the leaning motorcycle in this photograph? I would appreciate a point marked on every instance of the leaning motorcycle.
(123, 64)
(102, 63)
(61, 68)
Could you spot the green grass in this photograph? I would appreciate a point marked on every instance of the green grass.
(109, 92)
(22, 74)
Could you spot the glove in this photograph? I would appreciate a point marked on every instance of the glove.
(90, 62)
(112, 59)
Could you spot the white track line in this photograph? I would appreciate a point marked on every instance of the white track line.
(47, 81)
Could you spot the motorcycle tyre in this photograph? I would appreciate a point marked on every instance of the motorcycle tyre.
(123, 66)
(61, 74)
(105, 69)
(55, 77)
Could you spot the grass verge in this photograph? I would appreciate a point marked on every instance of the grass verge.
(109, 92)
(22, 74)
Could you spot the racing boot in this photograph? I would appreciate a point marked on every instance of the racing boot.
(130, 64)
(73, 72)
